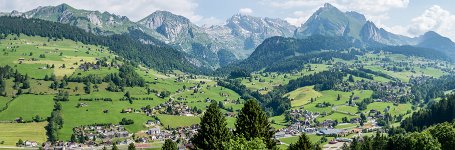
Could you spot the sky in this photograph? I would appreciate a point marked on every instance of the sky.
(406, 17)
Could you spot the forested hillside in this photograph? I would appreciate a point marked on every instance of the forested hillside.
(160, 56)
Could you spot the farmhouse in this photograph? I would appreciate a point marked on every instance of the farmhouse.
(154, 131)
(21, 60)
(30, 144)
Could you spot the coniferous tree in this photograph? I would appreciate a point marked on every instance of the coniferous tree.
(445, 134)
(114, 147)
(379, 141)
(351, 78)
(240, 143)
(213, 131)
(131, 146)
(303, 143)
(252, 123)
(169, 145)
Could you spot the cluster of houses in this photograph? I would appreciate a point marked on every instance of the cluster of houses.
(100, 134)
(94, 137)
(171, 108)
(182, 133)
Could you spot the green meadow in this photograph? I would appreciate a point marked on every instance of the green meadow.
(12, 132)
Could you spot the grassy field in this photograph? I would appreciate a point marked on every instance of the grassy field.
(301, 96)
(348, 109)
(394, 109)
(345, 126)
(330, 96)
(335, 116)
(10, 133)
(4, 101)
(28, 106)
(278, 122)
(178, 121)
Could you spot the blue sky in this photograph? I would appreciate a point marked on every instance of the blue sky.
(407, 17)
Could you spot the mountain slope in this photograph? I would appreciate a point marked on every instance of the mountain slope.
(433, 40)
(275, 50)
(160, 57)
(330, 21)
(94, 21)
(371, 33)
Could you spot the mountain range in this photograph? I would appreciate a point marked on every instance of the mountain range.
(219, 45)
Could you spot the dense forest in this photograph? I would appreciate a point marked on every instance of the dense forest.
(431, 88)
(438, 112)
(158, 56)
(276, 50)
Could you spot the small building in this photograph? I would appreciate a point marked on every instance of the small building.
(128, 110)
(30, 144)
(21, 60)
(153, 131)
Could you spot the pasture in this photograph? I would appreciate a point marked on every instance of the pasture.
(10, 133)
(27, 107)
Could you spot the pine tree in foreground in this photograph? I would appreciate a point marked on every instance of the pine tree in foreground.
(114, 147)
(213, 131)
(252, 123)
(131, 146)
(303, 143)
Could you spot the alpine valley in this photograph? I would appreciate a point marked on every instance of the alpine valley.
(81, 79)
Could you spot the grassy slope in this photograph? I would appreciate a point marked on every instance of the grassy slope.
(12, 132)
(28, 106)
(23, 46)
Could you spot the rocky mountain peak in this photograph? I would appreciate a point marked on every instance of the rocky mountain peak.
(62, 7)
(328, 6)
(434, 40)
(357, 16)
(161, 17)
(329, 21)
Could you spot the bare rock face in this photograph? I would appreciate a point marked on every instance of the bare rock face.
(330, 21)
(172, 27)
(93, 18)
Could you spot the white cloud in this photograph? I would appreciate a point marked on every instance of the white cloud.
(245, 11)
(208, 21)
(434, 19)
(299, 17)
(133, 9)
